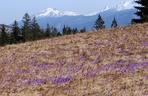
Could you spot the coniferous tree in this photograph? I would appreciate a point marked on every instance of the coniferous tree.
(42, 33)
(26, 28)
(3, 36)
(142, 11)
(35, 29)
(54, 32)
(99, 24)
(69, 31)
(83, 30)
(75, 30)
(64, 30)
(59, 34)
(48, 31)
(114, 23)
(15, 35)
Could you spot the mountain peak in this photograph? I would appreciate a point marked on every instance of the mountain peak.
(106, 8)
(123, 5)
(127, 4)
(52, 12)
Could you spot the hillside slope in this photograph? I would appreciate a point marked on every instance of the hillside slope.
(106, 63)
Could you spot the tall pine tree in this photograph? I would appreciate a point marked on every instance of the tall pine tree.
(99, 24)
(54, 32)
(114, 23)
(15, 35)
(69, 31)
(48, 31)
(142, 11)
(75, 30)
(35, 29)
(3, 36)
(83, 30)
(26, 28)
(64, 30)
(59, 34)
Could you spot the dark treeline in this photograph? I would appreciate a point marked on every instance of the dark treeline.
(30, 31)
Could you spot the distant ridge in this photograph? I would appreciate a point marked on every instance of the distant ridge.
(123, 12)
(52, 12)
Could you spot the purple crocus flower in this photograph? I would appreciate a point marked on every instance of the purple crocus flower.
(91, 74)
(33, 62)
(137, 65)
(37, 81)
(121, 62)
(133, 66)
(97, 61)
(43, 66)
(62, 79)
(82, 58)
(22, 71)
(144, 64)
(145, 43)
(108, 67)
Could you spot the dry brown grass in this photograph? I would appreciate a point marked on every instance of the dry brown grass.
(106, 63)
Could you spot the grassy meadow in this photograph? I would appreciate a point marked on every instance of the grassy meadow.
(111, 62)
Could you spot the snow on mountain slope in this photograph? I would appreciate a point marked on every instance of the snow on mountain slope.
(123, 13)
(123, 18)
(128, 4)
(56, 13)
(123, 5)
(95, 13)
(52, 12)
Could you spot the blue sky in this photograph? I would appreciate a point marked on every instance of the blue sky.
(15, 9)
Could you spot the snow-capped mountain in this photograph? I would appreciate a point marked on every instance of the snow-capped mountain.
(56, 13)
(123, 12)
(123, 18)
(53, 12)
(124, 5)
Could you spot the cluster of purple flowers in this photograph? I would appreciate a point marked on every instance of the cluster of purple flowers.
(120, 66)
(37, 81)
(22, 71)
(62, 79)
(145, 43)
